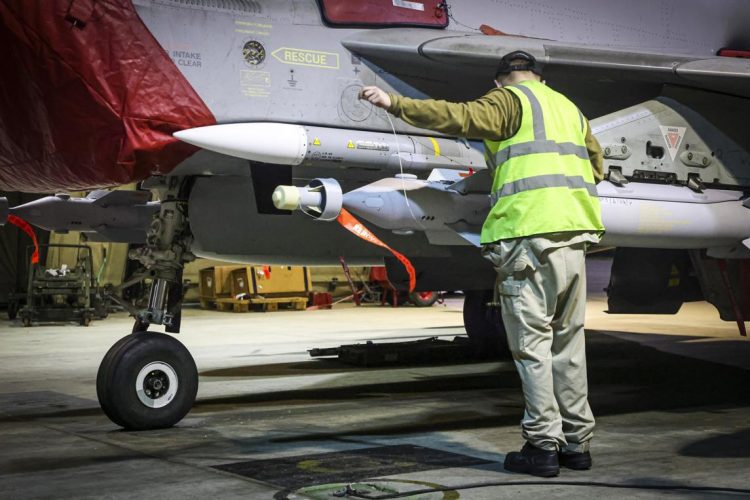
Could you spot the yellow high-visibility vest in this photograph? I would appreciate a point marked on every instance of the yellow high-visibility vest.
(543, 180)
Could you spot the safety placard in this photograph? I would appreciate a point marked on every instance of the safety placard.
(408, 5)
(673, 137)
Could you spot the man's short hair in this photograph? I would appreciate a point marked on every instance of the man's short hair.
(509, 63)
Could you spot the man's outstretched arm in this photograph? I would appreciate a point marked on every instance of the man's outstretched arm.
(494, 116)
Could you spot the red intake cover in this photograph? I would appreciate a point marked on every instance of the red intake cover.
(88, 98)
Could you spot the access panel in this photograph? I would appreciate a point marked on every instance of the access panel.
(426, 13)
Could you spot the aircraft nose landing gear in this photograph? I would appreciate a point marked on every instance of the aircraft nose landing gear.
(147, 380)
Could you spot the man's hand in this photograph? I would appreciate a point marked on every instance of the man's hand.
(376, 96)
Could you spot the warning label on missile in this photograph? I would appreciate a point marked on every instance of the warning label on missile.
(376, 146)
(304, 57)
(324, 156)
(673, 137)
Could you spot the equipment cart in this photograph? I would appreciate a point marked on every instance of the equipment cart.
(64, 294)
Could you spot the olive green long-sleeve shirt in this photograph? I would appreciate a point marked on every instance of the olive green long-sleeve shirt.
(495, 116)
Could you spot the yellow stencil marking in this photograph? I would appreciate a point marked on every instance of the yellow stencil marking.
(316, 142)
(304, 57)
(350, 145)
(435, 146)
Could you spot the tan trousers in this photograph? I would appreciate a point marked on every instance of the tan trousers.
(542, 291)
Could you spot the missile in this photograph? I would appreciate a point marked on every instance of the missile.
(309, 146)
(635, 215)
(117, 216)
(403, 204)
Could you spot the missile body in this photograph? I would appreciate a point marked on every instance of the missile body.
(118, 216)
(301, 145)
(413, 204)
(635, 215)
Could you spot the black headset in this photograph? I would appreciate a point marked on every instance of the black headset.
(529, 64)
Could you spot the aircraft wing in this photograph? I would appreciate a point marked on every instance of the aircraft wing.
(453, 59)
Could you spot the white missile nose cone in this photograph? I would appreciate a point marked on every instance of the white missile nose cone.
(286, 197)
(266, 142)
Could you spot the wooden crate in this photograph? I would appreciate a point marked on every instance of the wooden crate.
(232, 305)
(215, 282)
(269, 281)
(261, 304)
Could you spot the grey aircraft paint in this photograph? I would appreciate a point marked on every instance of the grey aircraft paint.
(210, 45)
(275, 61)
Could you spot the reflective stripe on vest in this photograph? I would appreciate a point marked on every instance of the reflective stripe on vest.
(543, 181)
(540, 134)
(527, 148)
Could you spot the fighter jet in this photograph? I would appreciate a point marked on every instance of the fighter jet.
(242, 118)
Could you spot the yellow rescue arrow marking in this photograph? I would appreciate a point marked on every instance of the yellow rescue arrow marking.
(350, 145)
(305, 57)
(316, 142)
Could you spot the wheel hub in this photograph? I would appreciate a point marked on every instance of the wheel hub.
(156, 384)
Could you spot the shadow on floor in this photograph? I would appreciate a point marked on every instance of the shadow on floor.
(735, 445)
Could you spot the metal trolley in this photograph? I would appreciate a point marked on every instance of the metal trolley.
(62, 295)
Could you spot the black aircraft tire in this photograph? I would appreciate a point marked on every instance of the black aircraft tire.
(103, 375)
(484, 325)
(423, 299)
(128, 386)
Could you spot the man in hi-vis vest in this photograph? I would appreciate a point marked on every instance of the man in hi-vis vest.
(545, 212)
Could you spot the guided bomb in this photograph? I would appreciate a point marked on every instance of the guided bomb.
(117, 216)
(452, 213)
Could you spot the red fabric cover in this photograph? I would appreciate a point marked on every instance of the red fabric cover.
(88, 98)
(743, 54)
(384, 13)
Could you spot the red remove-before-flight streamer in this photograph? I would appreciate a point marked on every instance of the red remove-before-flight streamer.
(353, 225)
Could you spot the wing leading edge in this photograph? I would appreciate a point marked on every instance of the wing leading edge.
(451, 58)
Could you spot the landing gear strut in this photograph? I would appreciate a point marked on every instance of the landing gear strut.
(149, 380)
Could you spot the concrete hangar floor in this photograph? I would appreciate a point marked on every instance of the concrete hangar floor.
(671, 395)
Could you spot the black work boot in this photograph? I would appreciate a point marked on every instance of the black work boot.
(575, 460)
(534, 461)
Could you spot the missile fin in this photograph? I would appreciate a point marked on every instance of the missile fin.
(95, 195)
(467, 231)
(120, 198)
(480, 182)
(117, 235)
